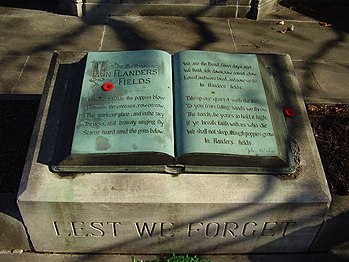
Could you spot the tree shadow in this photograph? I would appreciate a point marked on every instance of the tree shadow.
(206, 35)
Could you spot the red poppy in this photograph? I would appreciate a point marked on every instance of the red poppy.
(107, 86)
(289, 112)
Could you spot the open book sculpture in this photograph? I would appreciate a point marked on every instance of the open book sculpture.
(194, 111)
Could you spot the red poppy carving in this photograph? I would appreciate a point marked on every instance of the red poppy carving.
(289, 112)
(107, 86)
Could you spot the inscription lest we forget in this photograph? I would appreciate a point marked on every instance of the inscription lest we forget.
(170, 230)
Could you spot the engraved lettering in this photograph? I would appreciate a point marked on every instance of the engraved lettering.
(213, 228)
(100, 233)
(286, 227)
(227, 228)
(54, 223)
(166, 232)
(145, 229)
(98, 229)
(114, 226)
(195, 229)
(247, 227)
(271, 231)
(78, 229)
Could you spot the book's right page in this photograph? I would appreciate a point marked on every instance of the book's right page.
(221, 105)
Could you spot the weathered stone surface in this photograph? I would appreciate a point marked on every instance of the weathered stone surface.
(12, 232)
(262, 9)
(160, 213)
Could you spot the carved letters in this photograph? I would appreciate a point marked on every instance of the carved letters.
(170, 230)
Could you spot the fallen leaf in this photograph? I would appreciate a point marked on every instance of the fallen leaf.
(312, 107)
(282, 31)
(290, 28)
(325, 24)
(280, 23)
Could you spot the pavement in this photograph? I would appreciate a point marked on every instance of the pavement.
(320, 53)
(318, 47)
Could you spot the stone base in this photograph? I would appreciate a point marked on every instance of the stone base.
(12, 232)
(148, 213)
(254, 9)
(334, 233)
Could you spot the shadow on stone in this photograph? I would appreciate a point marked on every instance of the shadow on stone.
(17, 120)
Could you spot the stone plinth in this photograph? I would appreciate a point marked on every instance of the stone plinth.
(161, 213)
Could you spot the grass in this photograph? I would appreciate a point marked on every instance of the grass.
(174, 258)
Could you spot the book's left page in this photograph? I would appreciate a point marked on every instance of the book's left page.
(125, 104)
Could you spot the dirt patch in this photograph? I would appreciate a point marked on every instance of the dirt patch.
(17, 120)
(330, 125)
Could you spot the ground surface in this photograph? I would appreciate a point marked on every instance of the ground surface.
(17, 120)
(330, 125)
(331, 129)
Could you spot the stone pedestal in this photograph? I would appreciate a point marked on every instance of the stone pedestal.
(161, 213)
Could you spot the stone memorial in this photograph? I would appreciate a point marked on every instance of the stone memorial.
(144, 152)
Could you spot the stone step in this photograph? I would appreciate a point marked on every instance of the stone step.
(254, 9)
